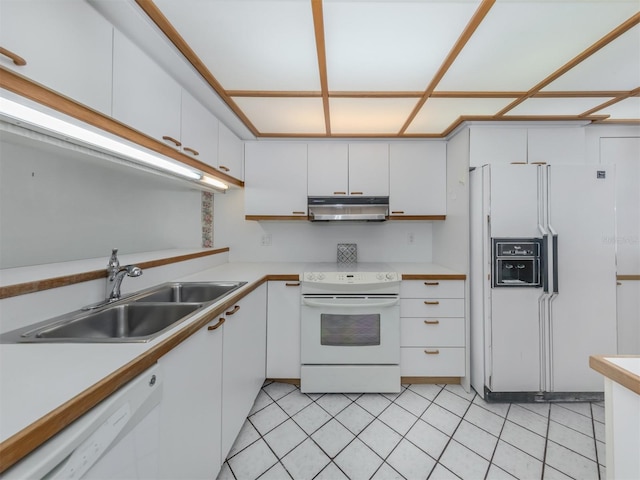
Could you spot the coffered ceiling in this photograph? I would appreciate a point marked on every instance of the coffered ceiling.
(411, 68)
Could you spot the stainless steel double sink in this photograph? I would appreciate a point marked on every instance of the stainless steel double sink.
(139, 317)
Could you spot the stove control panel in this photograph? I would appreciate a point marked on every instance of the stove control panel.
(355, 278)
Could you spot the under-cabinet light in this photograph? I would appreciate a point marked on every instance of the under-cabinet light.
(38, 119)
(214, 182)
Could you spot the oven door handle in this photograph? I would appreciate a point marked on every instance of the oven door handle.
(320, 303)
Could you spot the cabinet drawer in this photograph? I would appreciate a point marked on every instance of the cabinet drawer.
(442, 362)
(432, 307)
(432, 332)
(432, 289)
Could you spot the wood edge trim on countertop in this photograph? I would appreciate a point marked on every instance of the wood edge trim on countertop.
(258, 218)
(614, 372)
(434, 276)
(28, 439)
(431, 380)
(283, 278)
(65, 280)
(417, 217)
(25, 87)
(628, 277)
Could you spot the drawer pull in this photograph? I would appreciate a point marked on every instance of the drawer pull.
(223, 168)
(217, 325)
(298, 213)
(235, 309)
(16, 59)
(397, 212)
(432, 322)
(356, 193)
(339, 193)
(432, 284)
(167, 138)
(432, 352)
(292, 284)
(426, 302)
(193, 152)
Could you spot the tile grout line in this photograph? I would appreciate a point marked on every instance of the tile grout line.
(493, 454)
(595, 441)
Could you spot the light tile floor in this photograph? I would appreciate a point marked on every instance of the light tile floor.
(426, 431)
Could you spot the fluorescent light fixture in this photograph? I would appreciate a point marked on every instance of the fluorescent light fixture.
(39, 119)
(214, 182)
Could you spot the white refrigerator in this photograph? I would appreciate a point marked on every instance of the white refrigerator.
(532, 343)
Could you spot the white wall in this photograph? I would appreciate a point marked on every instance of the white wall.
(302, 241)
(58, 205)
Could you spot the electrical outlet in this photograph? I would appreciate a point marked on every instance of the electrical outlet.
(411, 238)
(265, 240)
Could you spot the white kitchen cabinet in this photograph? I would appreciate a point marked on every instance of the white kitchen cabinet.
(283, 330)
(199, 131)
(560, 145)
(230, 152)
(275, 180)
(628, 316)
(369, 169)
(417, 179)
(432, 328)
(67, 46)
(145, 97)
(497, 145)
(341, 169)
(243, 362)
(191, 407)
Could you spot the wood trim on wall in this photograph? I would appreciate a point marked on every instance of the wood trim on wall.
(417, 217)
(65, 280)
(24, 87)
(259, 218)
(628, 277)
(434, 276)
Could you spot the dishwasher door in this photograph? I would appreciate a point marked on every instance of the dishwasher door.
(116, 439)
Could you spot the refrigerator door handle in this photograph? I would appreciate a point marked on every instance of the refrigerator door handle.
(554, 240)
(544, 264)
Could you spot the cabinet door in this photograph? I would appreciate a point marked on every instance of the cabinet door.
(191, 405)
(418, 178)
(328, 173)
(283, 330)
(67, 46)
(628, 316)
(145, 97)
(243, 362)
(369, 169)
(556, 145)
(230, 152)
(497, 145)
(275, 179)
(199, 131)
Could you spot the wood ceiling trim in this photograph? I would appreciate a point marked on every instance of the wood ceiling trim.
(603, 42)
(619, 98)
(318, 27)
(468, 31)
(273, 94)
(154, 13)
(418, 94)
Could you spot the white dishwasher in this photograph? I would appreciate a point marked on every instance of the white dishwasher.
(116, 439)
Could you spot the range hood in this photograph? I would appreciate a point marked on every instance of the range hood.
(362, 209)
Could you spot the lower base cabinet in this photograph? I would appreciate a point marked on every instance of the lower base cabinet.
(283, 330)
(210, 383)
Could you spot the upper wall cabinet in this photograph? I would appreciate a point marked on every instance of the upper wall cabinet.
(339, 169)
(145, 97)
(199, 132)
(556, 145)
(67, 47)
(418, 180)
(498, 146)
(230, 152)
(275, 181)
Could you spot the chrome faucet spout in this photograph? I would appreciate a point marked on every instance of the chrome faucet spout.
(126, 271)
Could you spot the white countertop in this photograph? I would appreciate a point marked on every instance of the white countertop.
(38, 378)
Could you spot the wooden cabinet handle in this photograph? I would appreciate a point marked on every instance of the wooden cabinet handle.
(397, 212)
(193, 152)
(292, 284)
(339, 193)
(356, 193)
(298, 213)
(223, 168)
(431, 303)
(431, 284)
(432, 352)
(234, 310)
(167, 138)
(432, 322)
(217, 325)
(16, 59)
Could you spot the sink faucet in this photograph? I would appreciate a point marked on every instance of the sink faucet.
(115, 275)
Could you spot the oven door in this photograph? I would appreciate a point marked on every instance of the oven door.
(350, 330)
